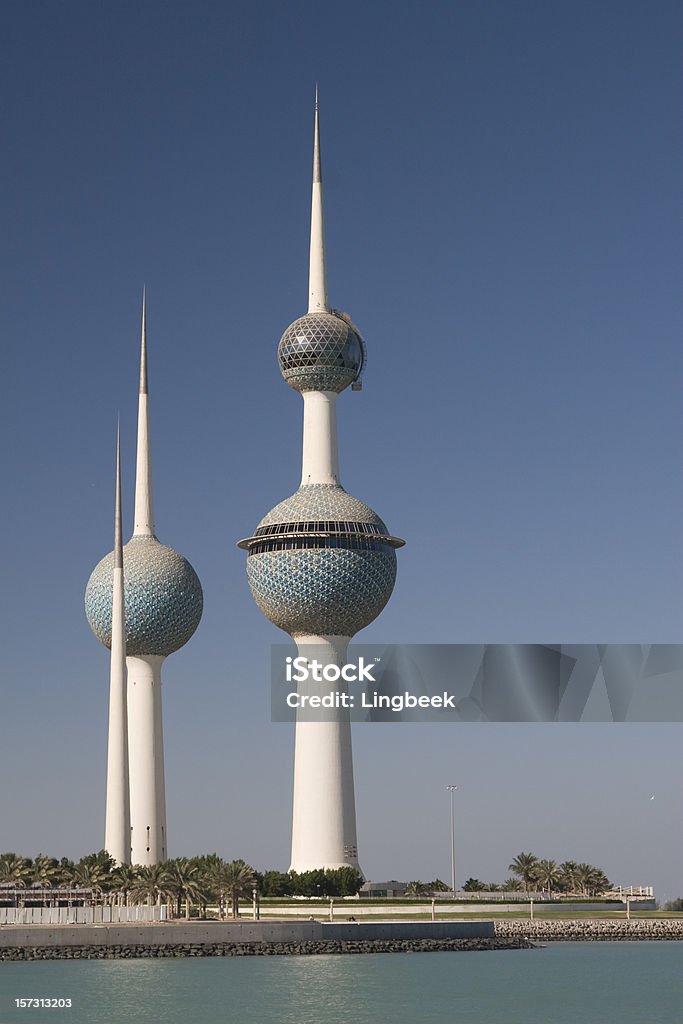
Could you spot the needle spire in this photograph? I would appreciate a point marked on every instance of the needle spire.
(317, 280)
(144, 512)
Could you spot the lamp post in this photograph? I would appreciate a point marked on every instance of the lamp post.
(451, 790)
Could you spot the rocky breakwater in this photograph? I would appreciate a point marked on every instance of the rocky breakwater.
(589, 929)
(99, 952)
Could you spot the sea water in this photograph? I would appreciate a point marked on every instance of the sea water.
(563, 983)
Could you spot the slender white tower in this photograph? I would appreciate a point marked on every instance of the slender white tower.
(117, 812)
(163, 600)
(321, 565)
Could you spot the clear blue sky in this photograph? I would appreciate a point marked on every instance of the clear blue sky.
(503, 210)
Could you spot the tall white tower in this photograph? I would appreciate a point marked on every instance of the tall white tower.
(117, 808)
(163, 603)
(321, 565)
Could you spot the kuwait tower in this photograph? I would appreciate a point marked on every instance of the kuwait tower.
(163, 605)
(321, 565)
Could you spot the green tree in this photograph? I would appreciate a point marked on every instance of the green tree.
(512, 885)
(417, 888)
(182, 880)
(45, 871)
(122, 881)
(276, 883)
(567, 879)
(345, 881)
(66, 870)
(591, 881)
(150, 883)
(15, 870)
(232, 881)
(546, 873)
(474, 885)
(94, 872)
(523, 866)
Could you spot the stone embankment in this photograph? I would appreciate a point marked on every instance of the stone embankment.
(588, 929)
(92, 952)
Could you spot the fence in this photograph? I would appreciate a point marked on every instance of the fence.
(82, 915)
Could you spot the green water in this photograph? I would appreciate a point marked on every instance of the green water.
(566, 983)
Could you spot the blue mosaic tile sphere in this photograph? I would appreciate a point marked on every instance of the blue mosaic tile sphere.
(337, 585)
(321, 352)
(162, 593)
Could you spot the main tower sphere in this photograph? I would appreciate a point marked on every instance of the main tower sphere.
(162, 593)
(321, 563)
(321, 351)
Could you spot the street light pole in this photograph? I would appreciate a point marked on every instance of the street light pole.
(451, 790)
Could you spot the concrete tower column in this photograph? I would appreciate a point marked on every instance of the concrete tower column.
(320, 462)
(145, 756)
(117, 807)
(324, 807)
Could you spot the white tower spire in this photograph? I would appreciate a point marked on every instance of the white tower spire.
(317, 276)
(117, 813)
(144, 511)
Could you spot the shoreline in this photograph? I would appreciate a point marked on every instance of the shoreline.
(198, 939)
(12, 954)
(593, 930)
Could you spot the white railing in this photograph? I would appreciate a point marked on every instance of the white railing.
(633, 890)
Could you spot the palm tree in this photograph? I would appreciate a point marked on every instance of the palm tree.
(600, 883)
(183, 881)
(232, 881)
(568, 875)
(46, 871)
(123, 879)
(474, 885)
(15, 870)
(150, 883)
(511, 885)
(66, 869)
(94, 872)
(417, 889)
(590, 880)
(523, 865)
(547, 873)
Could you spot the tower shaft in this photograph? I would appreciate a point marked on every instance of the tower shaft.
(324, 809)
(146, 760)
(117, 807)
(320, 461)
(145, 727)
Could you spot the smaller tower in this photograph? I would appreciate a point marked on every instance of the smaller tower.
(117, 812)
(163, 602)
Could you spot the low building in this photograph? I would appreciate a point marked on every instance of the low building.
(45, 896)
(378, 890)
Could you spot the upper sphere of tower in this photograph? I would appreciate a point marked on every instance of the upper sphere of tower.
(321, 351)
(162, 593)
